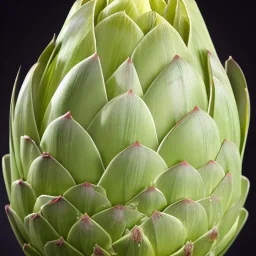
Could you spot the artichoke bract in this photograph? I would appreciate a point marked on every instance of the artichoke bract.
(127, 137)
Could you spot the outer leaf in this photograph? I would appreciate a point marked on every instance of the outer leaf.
(241, 222)
(157, 49)
(212, 173)
(230, 160)
(86, 233)
(159, 228)
(29, 250)
(60, 248)
(245, 186)
(181, 181)
(135, 243)
(86, 198)
(35, 222)
(173, 94)
(199, 40)
(48, 176)
(82, 92)
(6, 166)
(61, 215)
(23, 198)
(197, 138)
(212, 206)
(28, 153)
(76, 41)
(224, 191)
(125, 35)
(17, 226)
(131, 171)
(229, 219)
(124, 79)
(192, 215)
(68, 142)
(24, 119)
(149, 20)
(120, 123)
(240, 90)
(148, 201)
(13, 164)
(117, 219)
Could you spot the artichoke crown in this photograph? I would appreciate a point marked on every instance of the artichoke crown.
(127, 137)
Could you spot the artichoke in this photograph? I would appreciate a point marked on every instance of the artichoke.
(127, 137)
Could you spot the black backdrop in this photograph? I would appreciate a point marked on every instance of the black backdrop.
(27, 27)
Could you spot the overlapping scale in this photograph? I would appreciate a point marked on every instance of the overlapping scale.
(128, 71)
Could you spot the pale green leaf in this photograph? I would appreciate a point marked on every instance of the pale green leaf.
(172, 95)
(29, 250)
(120, 123)
(117, 219)
(156, 50)
(116, 38)
(86, 198)
(181, 181)
(60, 214)
(82, 92)
(86, 233)
(192, 215)
(125, 78)
(6, 166)
(72, 146)
(23, 198)
(48, 177)
(239, 86)
(194, 139)
(160, 228)
(131, 171)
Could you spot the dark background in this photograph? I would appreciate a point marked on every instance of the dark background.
(28, 26)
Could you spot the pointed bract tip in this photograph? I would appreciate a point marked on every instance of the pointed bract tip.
(184, 163)
(87, 184)
(209, 53)
(215, 198)
(20, 182)
(187, 201)
(130, 92)
(119, 207)
(212, 162)
(68, 115)
(156, 215)
(229, 176)
(177, 57)
(230, 58)
(188, 249)
(55, 200)
(95, 55)
(60, 242)
(151, 188)
(46, 155)
(25, 137)
(98, 251)
(34, 216)
(25, 246)
(196, 108)
(85, 219)
(226, 141)
(7, 209)
(129, 60)
(213, 236)
(136, 234)
(136, 144)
